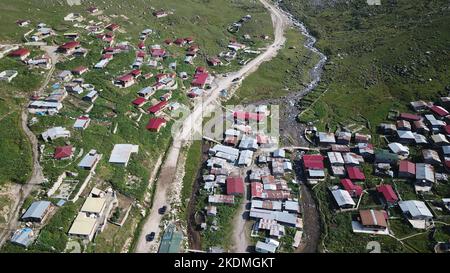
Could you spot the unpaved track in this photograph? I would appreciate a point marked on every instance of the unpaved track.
(37, 176)
(193, 122)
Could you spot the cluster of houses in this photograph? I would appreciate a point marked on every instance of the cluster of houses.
(248, 164)
(417, 153)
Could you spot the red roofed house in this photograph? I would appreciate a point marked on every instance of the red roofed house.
(447, 129)
(189, 40)
(155, 124)
(139, 101)
(157, 108)
(200, 79)
(247, 116)
(63, 152)
(355, 173)
(409, 117)
(439, 110)
(406, 169)
(69, 47)
(180, 42)
(313, 162)
(21, 53)
(388, 193)
(256, 189)
(354, 190)
(235, 185)
(126, 80)
(168, 41)
(80, 70)
(107, 56)
(136, 73)
(140, 54)
(214, 61)
(112, 27)
(141, 45)
(158, 53)
(160, 14)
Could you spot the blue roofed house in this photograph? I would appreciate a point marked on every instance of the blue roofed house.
(37, 212)
(23, 237)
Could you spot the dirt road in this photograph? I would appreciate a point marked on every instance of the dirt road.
(37, 176)
(191, 125)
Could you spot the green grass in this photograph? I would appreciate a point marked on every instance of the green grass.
(286, 73)
(193, 161)
(380, 58)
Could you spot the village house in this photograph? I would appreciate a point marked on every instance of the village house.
(63, 152)
(417, 213)
(139, 102)
(69, 47)
(80, 70)
(399, 149)
(65, 75)
(406, 169)
(343, 199)
(90, 160)
(160, 13)
(125, 81)
(23, 237)
(112, 27)
(326, 138)
(245, 158)
(91, 96)
(387, 128)
(21, 54)
(155, 124)
(82, 123)
(419, 105)
(403, 125)
(388, 196)
(121, 153)
(221, 199)
(371, 221)
(355, 173)
(8, 75)
(55, 133)
(425, 177)
(439, 140)
(439, 111)
(146, 92)
(23, 23)
(431, 157)
(343, 138)
(37, 212)
(362, 138)
(235, 185)
(351, 188)
(158, 108)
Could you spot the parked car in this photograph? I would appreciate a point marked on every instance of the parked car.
(162, 210)
(150, 237)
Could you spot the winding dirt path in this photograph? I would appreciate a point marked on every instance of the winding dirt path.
(37, 175)
(193, 123)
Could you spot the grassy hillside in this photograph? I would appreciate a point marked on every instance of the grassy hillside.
(287, 72)
(380, 58)
(206, 21)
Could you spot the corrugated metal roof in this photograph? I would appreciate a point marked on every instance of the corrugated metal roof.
(37, 210)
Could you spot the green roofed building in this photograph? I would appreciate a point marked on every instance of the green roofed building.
(171, 240)
(384, 156)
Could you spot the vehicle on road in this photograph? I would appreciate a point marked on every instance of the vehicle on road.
(162, 210)
(150, 237)
(236, 79)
